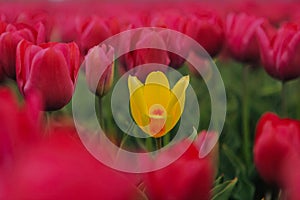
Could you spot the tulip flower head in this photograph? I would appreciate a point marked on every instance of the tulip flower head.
(154, 106)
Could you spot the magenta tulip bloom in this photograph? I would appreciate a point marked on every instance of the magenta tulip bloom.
(189, 177)
(241, 36)
(10, 36)
(276, 141)
(144, 55)
(280, 54)
(207, 29)
(92, 31)
(50, 68)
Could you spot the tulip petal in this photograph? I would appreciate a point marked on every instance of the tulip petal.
(139, 109)
(49, 66)
(133, 84)
(157, 78)
(157, 89)
(179, 92)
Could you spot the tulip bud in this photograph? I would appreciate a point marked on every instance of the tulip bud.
(276, 140)
(99, 66)
(280, 53)
(50, 69)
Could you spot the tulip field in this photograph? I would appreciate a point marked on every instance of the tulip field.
(153, 100)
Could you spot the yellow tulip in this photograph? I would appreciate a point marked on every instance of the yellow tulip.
(154, 106)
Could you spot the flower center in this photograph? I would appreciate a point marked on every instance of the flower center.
(158, 117)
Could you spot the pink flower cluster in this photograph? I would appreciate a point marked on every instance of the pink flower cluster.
(250, 36)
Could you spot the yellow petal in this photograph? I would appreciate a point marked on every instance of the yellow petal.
(138, 106)
(179, 92)
(157, 77)
(133, 84)
(157, 89)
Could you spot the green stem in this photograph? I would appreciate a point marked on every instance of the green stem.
(283, 99)
(101, 114)
(245, 116)
(166, 138)
(126, 135)
(158, 142)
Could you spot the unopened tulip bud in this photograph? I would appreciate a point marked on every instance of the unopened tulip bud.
(99, 63)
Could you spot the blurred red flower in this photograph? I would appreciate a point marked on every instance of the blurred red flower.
(35, 17)
(10, 36)
(189, 177)
(276, 141)
(280, 53)
(20, 125)
(207, 29)
(91, 32)
(241, 38)
(50, 69)
(61, 168)
(139, 55)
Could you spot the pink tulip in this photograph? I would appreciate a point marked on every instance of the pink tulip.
(50, 69)
(280, 53)
(99, 68)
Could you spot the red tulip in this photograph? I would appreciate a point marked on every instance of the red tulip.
(61, 168)
(189, 177)
(178, 44)
(144, 55)
(276, 141)
(280, 53)
(35, 18)
(292, 179)
(99, 68)
(241, 39)
(50, 69)
(10, 36)
(207, 29)
(92, 31)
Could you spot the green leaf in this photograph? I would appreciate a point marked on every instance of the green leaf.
(219, 180)
(223, 191)
(236, 161)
